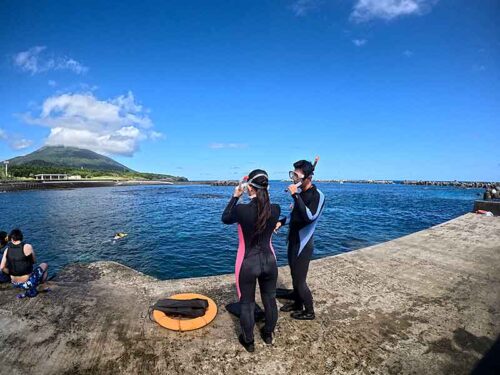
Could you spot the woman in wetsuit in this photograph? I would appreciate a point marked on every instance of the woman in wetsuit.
(255, 260)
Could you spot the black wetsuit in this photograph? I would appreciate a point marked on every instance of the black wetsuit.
(255, 261)
(307, 208)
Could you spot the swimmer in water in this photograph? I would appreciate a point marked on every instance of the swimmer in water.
(120, 235)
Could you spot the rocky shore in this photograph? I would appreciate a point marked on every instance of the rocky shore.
(224, 183)
(33, 185)
(427, 303)
(458, 184)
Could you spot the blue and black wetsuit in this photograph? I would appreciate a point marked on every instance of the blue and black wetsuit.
(307, 208)
(255, 260)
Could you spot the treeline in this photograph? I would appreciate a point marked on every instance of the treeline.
(29, 171)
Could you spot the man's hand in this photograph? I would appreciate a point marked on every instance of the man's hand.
(238, 191)
(278, 226)
(292, 189)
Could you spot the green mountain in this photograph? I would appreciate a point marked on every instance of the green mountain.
(69, 157)
(76, 161)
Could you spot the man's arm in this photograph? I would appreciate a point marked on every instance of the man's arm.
(28, 249)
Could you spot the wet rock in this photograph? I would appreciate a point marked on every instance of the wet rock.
(224, 183)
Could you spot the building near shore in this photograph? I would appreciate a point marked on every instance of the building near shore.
(51, 177)
(56, 177)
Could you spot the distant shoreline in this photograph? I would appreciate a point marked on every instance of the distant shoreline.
(9, 186)
(76, 184)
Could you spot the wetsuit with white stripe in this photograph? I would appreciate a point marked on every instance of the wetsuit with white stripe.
(307, 208)
(255, 261)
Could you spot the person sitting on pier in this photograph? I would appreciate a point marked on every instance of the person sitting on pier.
(18, 260)
(4, 240)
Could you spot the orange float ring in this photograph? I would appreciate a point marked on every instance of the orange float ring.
(176, 324)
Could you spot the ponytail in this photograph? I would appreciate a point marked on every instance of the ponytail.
(263, 210)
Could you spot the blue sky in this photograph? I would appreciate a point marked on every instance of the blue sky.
(380, 89)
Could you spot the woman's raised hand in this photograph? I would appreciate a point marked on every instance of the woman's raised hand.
(238, 191)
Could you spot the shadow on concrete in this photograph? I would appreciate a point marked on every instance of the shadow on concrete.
(490, 363)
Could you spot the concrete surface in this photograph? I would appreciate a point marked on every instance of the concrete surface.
(427, 303)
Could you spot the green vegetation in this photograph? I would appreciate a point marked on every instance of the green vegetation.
(69, 157)
(29, 171)
(74, 161)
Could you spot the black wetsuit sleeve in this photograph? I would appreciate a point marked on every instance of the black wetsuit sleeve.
(283, 221)
(230, 214)
(307, 210)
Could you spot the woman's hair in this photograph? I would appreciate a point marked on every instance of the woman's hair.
(16, 235)
(262, 197)
(3, 239)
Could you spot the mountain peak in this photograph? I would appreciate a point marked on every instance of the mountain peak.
(70, 157)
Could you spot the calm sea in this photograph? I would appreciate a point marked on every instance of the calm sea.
(176, 231)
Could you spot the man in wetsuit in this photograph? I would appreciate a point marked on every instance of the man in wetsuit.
(308, 204)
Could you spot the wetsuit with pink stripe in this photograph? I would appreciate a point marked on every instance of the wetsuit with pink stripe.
(255, 261)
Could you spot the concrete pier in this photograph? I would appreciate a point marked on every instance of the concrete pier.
(490, 205)
(427, 303)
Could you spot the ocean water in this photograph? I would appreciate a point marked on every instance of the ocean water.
(176, 231)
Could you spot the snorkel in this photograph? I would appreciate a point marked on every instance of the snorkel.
(298, 180)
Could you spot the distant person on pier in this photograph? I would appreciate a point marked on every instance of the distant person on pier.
(487, 193)
(4, 240)
(18, 260)
(495, 192)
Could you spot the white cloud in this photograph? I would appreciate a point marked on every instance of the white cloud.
(21, 144)
(52, 83)
(408, 53)
(115, 126)
(302, 7)
(359, 42)
(366, 10)
(227, 145)
(155, 136)
(15, 141)
(35, 60)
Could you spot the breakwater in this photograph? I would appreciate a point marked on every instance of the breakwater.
(69, 184)
(426, 303)
(458, 184)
